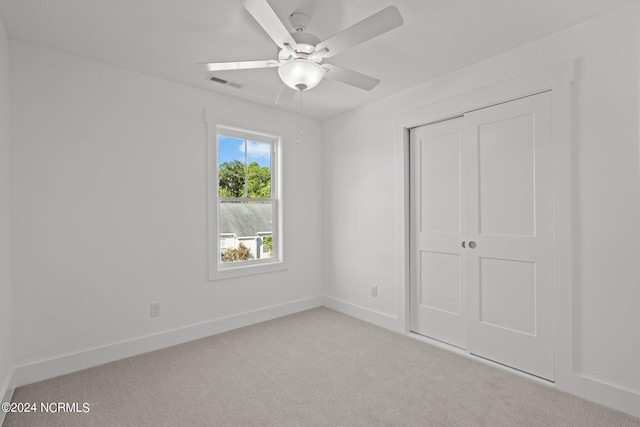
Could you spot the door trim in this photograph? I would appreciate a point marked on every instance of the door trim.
(556, 79)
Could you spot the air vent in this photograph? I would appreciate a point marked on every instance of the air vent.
(226, 82)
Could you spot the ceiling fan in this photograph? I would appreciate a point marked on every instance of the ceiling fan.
(301, 54)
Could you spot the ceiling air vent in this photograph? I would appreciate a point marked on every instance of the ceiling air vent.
(226, 82)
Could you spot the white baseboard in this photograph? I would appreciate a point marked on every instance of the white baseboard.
(50, 368)
(6, 391)
(363, 313)
(615, 397)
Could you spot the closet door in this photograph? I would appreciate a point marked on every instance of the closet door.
(509, 233)
(437, 308)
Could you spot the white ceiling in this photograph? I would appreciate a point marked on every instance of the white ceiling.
(166, 38)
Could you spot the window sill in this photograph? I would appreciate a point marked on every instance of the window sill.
(246, 270)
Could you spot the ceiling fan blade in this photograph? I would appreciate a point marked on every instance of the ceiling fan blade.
(350, 77)
(318, 54)
(269, 21)
(385, 20)
(242, 65)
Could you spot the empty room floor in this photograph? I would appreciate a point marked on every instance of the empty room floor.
(318, 367)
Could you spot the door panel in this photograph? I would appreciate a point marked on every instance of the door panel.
(440, 281)
(440, 182)
(513, 281)
(509, 166)
(436, 205)
(505, 149)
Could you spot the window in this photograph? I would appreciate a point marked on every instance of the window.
(245, 202)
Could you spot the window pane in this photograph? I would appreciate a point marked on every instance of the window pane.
(259, 167)
(231, 167)
(246, 229)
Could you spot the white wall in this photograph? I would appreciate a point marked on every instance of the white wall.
(364, 184)
(110, 214)
(5, 220)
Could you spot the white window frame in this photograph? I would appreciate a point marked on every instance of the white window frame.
(255, 129)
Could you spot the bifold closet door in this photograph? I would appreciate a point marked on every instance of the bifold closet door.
(437, 308)
(509, 217)
(481, 242)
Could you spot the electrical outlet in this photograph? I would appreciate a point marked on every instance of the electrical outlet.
(154, 309)
(374, 290)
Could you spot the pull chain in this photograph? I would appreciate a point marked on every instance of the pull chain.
(299, 124)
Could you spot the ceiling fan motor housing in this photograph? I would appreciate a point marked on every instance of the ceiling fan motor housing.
(305, 43)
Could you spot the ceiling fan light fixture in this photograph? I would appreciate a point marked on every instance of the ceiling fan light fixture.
(301, 74)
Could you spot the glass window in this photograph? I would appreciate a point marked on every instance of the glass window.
(247, 200)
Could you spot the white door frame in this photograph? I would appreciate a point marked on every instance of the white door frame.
(558, 79)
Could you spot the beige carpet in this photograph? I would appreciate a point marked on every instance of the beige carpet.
(315, 368)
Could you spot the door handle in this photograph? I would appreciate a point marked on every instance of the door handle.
(472, 244)
(464, 244)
